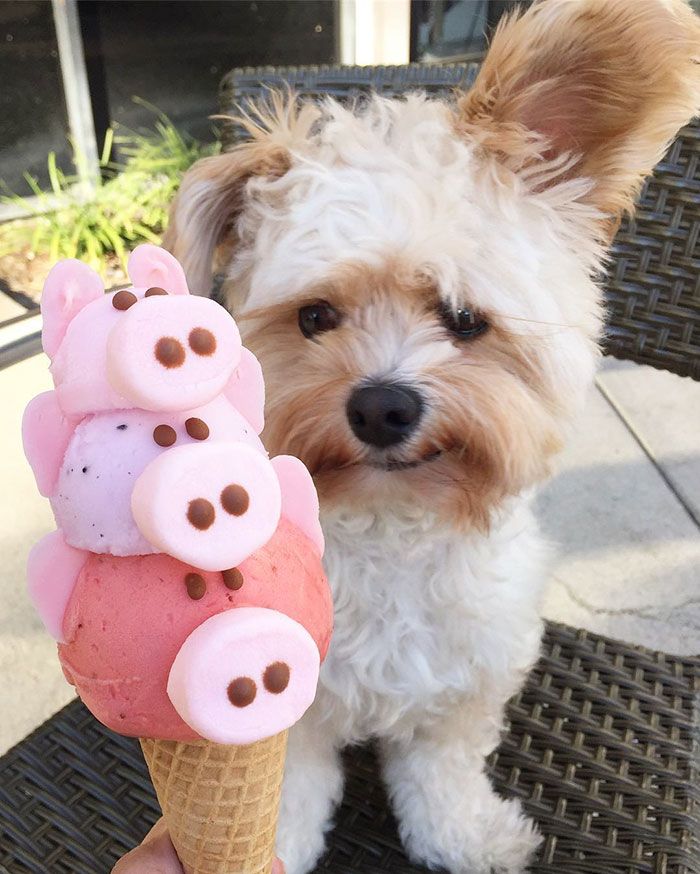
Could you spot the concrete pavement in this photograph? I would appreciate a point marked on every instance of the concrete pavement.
(623, 511)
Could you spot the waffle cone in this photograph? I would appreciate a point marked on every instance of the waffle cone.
(220, 802)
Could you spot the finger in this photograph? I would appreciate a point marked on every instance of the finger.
(156, 831)
(156, 855)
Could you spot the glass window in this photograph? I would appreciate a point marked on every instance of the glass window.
(173, 54)
(443, 30)
(33, 118)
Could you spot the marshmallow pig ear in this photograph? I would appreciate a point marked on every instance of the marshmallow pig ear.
(152, 266)
(246, 390)
(70, 286)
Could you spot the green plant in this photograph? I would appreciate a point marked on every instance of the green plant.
(127, 205)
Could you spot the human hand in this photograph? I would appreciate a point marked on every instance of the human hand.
(156, 855)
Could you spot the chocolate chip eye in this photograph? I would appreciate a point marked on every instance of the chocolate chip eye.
(196, 586)
(164, 435)
(317, 318)
(124, 299)
(196, 428)
(463, 323)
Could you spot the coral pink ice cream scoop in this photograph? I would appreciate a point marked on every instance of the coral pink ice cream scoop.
(184, 583)
(232, 657)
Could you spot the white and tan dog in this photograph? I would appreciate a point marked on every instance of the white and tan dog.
(418, 280)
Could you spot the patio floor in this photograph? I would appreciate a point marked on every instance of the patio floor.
(624, 511)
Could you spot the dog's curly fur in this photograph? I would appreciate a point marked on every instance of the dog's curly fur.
(501, 202)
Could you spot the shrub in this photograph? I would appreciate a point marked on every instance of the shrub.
(128, 204)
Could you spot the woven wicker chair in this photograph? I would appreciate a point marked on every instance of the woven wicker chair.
(603, 745)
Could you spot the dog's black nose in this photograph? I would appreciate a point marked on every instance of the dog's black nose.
(384, 414)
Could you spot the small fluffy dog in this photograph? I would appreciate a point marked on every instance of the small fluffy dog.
(417, 278)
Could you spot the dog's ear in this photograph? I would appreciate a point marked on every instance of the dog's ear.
(212, 192)
(587, 88)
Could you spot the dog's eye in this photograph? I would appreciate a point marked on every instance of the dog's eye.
(463, 323)
(317, 318)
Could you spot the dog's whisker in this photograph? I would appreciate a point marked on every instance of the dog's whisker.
(539, 322)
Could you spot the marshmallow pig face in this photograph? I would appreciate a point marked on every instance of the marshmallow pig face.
(153, 346)
(197, 485)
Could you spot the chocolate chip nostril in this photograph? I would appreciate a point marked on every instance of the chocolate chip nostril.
(235, 499)
(276, 677)
(384, 414)
(202, 342)
(201, 513)
(242, 691)
(170, 352)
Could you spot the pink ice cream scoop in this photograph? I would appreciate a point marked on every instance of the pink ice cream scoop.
(93, 477)
(156, 648)
(196, 484)
(184, 583)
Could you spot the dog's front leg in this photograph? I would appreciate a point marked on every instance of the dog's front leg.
(449, 815)
(312, 788)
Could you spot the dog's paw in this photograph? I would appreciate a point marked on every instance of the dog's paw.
(510, 840)
(312, 787)
(498, 839)
(298, 849)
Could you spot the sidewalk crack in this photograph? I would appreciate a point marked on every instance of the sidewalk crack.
(651, 611)
(647, 450)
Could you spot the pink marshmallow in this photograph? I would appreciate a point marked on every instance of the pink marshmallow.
(52, 571)
(141, 347)
(145, 356)
(246, 390)
(299, 497)
(46, 434)
(172, 353)
(152, 266)
(244, 675)
(210, 505)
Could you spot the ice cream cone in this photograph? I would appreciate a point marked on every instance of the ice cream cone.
(220, 802)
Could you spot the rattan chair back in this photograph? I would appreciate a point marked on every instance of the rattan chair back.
(652, 286)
